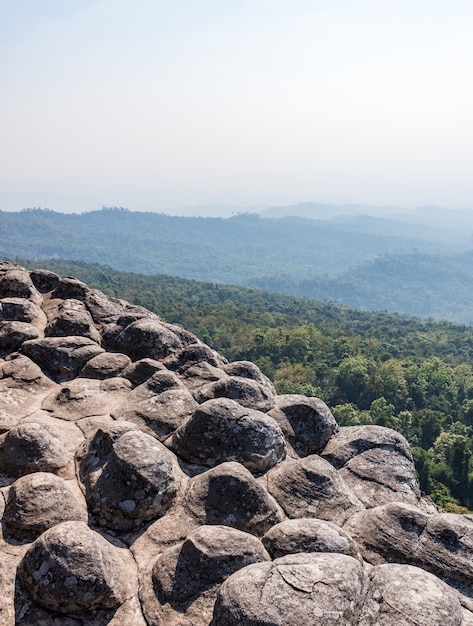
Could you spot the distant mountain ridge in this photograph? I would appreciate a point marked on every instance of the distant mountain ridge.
(364, 261)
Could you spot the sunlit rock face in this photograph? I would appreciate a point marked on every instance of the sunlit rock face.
(147, 481)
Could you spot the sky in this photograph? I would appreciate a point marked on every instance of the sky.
(158, 105)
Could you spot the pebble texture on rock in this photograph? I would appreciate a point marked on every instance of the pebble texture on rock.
(146, 481)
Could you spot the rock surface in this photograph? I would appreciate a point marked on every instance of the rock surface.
(147, 481)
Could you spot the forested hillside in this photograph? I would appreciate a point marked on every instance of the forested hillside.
(415, 376)
(434, 286)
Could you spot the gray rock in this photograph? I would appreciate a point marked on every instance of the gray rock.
(246, 369)
(185, 579)
(379, 476)
(197, 376)
(105, 365)
(22, 310)
(307, 423)
(228, 494)
(130, 478)
(44, 280)
(350, 441)
(70, 288)
(71, 569)
(194, 354)
(70, 318)
(147, 337)
(293, 590)
(31, 447)
(311, 487)
(13, 334)
(158, 406)
(61, 358)
(308, 535)
(441, 543)
(23, 388)
(39, 501)
(16, 283)
(84, 397)
(222, 430)
(245, 391)
(402, 595)
(139, 371)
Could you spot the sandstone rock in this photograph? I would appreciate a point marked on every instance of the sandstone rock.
(30, 447)
(70, 569)
(22, 390)
(105, 365)
(147, 337)
(308, 535)
(307, 423)
(103, 309)
(158, 406)
(130, 478)
(22, 310)
(246, 369)
(194, 354)
(395, 595)
(228, 494)
(39, 501)
(245, 391)
(186, 578)
(295, 589)
(379, 476)
(61, 358)
(70, 318)
(44, 280)
(200, 374)
(16, 283)
(13, 334)
(222, 430)
(139, 371)
(70, 287)
(311, 487)
(440, 543)
(84, 397)
(350, 441)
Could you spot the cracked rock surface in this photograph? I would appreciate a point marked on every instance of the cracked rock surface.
(146, 481)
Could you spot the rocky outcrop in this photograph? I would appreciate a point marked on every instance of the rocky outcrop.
(146, 481)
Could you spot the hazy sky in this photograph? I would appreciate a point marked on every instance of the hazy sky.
(156, 104)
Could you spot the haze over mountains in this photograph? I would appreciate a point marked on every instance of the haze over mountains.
(376, 258)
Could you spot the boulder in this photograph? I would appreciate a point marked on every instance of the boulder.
(158, 406)
(22, 310)
(295, 589)
(70, 318)
(105, 365)
(229, 494)
(222, 430)
(130, 477)
(245, 391)
(13, 334)
(71, 569)
(350, 441)
(185, 579)
(139, 371)
(44, 280)
(39, 501)
(308, 535)
(61, 358)
(147, 337)
(307, 423)
(31, 447)
(311, 487)
(395, 595)
(16, 283)
(440, 543)
(23, 388)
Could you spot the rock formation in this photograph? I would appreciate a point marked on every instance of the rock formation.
(146, 481)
